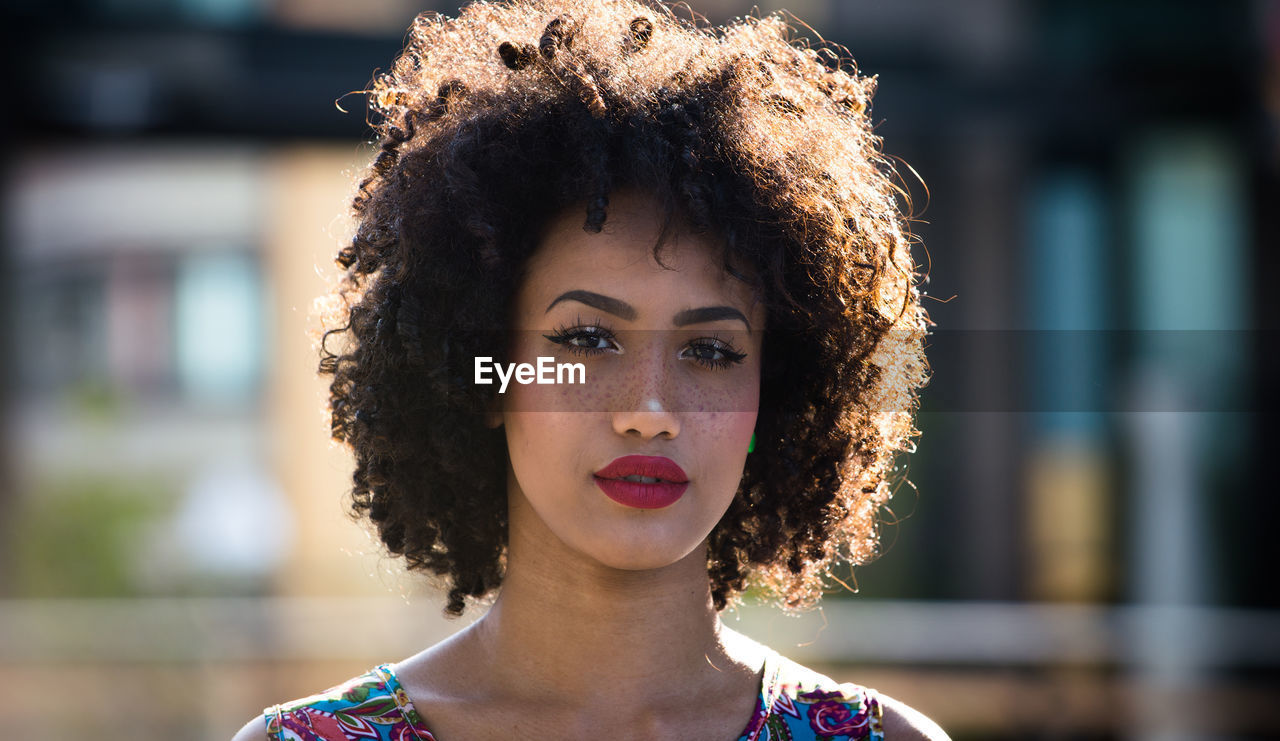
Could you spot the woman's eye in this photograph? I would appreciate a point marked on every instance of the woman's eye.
(584, 340)
(713, 353)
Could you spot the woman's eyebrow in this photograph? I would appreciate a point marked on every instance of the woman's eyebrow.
(618, 308)
(624, 310)
(709, 314)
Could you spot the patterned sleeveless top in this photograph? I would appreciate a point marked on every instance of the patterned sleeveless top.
(795, 704)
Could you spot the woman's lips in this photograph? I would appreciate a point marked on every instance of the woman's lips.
(655, 481)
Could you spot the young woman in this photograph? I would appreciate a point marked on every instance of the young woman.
(694, 228)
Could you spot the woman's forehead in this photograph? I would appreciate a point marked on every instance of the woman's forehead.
(621, 259)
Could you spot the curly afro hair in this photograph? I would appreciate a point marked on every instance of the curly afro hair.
(516, 110)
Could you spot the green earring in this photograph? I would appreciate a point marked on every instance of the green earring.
(751, 446)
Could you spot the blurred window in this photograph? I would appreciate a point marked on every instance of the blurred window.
(218, 326)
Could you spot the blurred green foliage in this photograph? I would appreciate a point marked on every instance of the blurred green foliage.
(82, 536)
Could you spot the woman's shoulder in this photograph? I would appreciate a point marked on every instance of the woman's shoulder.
(905, 723)
(795, 703)
(372, 705)
(798, 702)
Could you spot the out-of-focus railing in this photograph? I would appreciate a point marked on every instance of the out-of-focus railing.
(198, 668)
(906, 632)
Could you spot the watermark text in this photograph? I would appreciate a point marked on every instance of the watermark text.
(545, 371)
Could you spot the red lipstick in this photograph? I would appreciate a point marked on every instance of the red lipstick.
(643, 481)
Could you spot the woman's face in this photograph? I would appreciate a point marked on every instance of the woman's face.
(633, 467)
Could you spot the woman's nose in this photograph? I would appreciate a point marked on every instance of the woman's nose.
(645, 408)
(647, 421)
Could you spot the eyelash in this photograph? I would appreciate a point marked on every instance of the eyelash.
(565, 336)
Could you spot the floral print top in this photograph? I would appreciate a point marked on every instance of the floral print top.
(795, 704)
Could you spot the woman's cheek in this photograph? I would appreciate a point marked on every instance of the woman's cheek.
(730, 391)
(599, 385)
(545, 448)
(728, 434)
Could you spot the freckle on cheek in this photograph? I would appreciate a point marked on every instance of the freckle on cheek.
(589, 397)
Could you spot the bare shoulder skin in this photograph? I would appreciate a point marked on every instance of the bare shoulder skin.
(254, 730)
(904, 723)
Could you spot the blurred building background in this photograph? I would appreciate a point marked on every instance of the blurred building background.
(1088, 550)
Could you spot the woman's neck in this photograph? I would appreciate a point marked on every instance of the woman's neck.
(565, 626)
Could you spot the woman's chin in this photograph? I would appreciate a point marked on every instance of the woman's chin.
(643, 550)
(631, 562)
